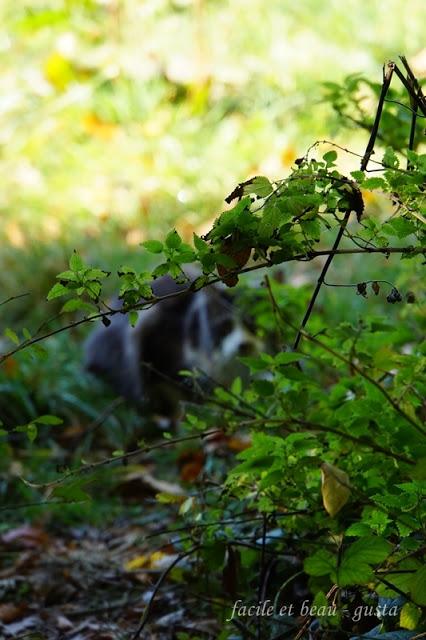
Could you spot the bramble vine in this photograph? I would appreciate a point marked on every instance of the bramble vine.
(336, 415)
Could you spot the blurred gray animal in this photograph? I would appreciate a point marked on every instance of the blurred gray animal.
(198, 331)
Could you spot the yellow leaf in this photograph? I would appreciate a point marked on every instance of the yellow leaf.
(288, 156)
(146, 561)
(99, 128)
(335, 488)
(410, 616)
(136, 563)
(58, 71)
(369, 197)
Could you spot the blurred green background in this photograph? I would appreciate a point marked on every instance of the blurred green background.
(121, 118)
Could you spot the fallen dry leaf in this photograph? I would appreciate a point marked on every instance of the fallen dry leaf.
(25, 537)
(155, 560)
(335, 488)
(10, 612)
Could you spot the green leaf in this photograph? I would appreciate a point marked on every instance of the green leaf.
(355, 567)
(260, 186)
(48, 419)
(375, 183)
(353, 572)
(287, 357)
(68, 275)
(161, 270)
(359, 176)
(133, 318)
(146, 291)
(358, 530)
(9, 333)
(370, 549)
(330, 157)
(175, 271)
(237, 386)
(93, 289)
(32, 431)
(184, 257)
(75, 304)
(270, 221)
(228, 220)
(418, 160)
(153, 246)
(96, 274)
(254, 364)
(199, 282)
(321, 604)
(38, 351)
(321, 563)
(200, 244)
(76, 263)
(300, 204)
(264, 387)
(173, 240)
(311, 228)
(418, 587)
(57, 291)
(410, 616)
(401, 581)
(390, 159)
(400, 227)
(71, 493)
(126, 270)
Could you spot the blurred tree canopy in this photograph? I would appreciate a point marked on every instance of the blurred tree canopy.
(132, 115)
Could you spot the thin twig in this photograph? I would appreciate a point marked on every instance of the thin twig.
(387, 77)
(363, 441)
(92, 466)
(320, 281)
(413, 110)
(42, 503)
(11, 298)
(309, 255)
(354, 367)
(353, 285)
(101, 418)
(261, 574)
(369, 379)
(206, 525)
(157, 587)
